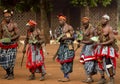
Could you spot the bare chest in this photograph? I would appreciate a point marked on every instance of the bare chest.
(65, 29)
(9, 27)
(105, 31)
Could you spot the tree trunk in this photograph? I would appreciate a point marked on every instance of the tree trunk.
(44, 22)
(118, 10)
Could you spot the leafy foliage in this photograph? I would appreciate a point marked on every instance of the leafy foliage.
(91, 3)
(25, 5)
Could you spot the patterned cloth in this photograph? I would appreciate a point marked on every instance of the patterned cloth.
(65, 57)
(107, 51)
(87, 53)
(35, 59)
(67, 67)
(8, 55)
(90, 67)
(106, 56)
(88, 59)
(64, 54)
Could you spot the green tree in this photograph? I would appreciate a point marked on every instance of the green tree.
(90, 3)
(39, 6)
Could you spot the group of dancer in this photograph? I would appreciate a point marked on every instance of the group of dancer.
(96, 56)
(99, 55)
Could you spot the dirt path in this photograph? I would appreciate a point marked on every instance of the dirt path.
(53, 71)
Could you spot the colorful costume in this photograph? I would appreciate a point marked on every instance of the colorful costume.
(35, 57)
(65, 57)
(8, 47)
(8, 56)
(87, 55)
(65, 54)
(106, 55)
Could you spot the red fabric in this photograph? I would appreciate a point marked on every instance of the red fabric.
(33, 65)
(108, 54)
(100, 56)
(61, 17)
(32, 23)
(100, 65)
(8, 46)
(87, 58)
(65, 61)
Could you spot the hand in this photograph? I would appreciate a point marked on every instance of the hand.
(64, 38)
(82, 41)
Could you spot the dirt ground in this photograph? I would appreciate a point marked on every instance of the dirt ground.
(53, 70)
